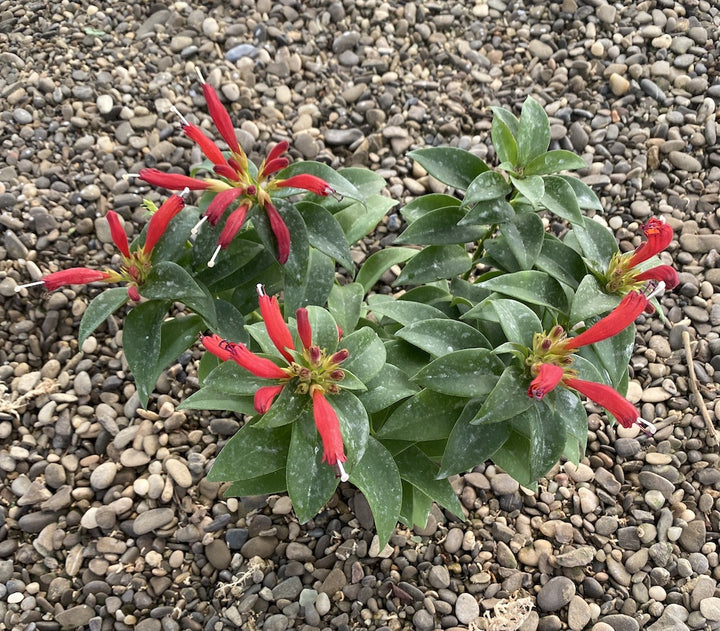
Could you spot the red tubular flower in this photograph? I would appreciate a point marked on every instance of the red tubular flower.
(233, 224)
(328, 426)
(663, 273)
(548, 377)
(220, 203)
(630, 307)
(160, 220)
(208, 147)
(303, 326)
(117, 232)
(280, 230)
(659, 235)
(277, 151)
(221, 118)
(74, 276)
(172, 181)
(275, 324)
(264, 398)
(307, 182)
(610, 399)
(217, 346)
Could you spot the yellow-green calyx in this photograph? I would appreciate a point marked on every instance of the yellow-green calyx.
(314, 369)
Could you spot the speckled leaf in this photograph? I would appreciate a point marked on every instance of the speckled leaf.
(559, 198)
(424, 204)
(379, 262)
(452, 166)
(209, 399)
(100, 309)
(435, 262)
(367, 354)
(389, 386)
(533, 134)
(426, 416)
(590, 301)
(251, 452)
(274, 482)
(554, 162)
(403, 312)
(507, 399)
(345, 304)
(530, 286)
(440, 336)
(466, 373)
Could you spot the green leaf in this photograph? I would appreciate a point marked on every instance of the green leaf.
(250, 453)
(426, 416)
(417, 469)
(547, 443)
(324, 172)
(326, 234)
(169, 281)
(176, 336)
(379, 262)
(590, 300)
(310, 482)
(315, 287)
(324, 328)
(354, 425)
(389, 386)
(530, 286)
(377, 476)
(441, 336)
(231, 378)
(486, 186)
(174, 240)
(596, 242)
(533, 135)
(525, 235)
(560, 199)
(561, 262)
(402, 311)
(489, 212)
(296, 267)
(345, 304)
(359, 220)
(440, 227)
(553, 162)
(367, 354)
(434, 263)
(405, 356)
(416, 506)
(238, 254)
(141, 344)
(208, 363)
(209, 399)
(469, 445)
(615, 353)
(569, 411)
(466, 373)
(287, 408)
(518, 321)
(230, 322)
(424, 204)
(503, 139)
(507, 399)
(262, 485)
(508, 118)
(585, 196)
(100, 309)
(364, 180)
(531, 187)
(452, 166)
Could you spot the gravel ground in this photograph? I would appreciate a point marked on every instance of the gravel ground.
(105, 519)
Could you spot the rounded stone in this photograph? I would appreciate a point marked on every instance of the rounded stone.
(103, 476)
(466, 608)
(556, 593)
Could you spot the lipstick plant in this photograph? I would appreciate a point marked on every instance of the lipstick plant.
(496, 331)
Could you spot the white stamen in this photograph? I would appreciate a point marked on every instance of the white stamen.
(200, 76)
(129, 175)
(196, 227)
(658, 291)
(19, 288)
(260, 289)
(177, 113)
(646, 426)
(211, 262)
(184, 192)
(344, 477)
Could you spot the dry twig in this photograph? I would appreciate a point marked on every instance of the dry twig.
(694, 387)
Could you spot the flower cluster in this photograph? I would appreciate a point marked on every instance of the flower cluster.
(309, 371)
(136, 264)
(233, 182)
(623, 273)
(551, 359)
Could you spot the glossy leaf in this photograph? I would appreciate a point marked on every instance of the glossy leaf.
(503, 139)
(559, 198)
(389, 386)
(100, 309)
(230, 322)
(209, 399)
(561, 262)
(531, 187)
(596, 243)
(524, 234)
(315, 287)
(367, 354)
(402, 311)
(615, 353)
(250, 453)
(345, 304)
(426, 416)
(379, 262)
(287, 408)
(359, 220)
(530, 286)
(441, 227)
(174, 240)
(434, 263)
(452, 166)
(507, 399)
(466, 373)
(326, 235)
(377, 476)
(554, 162)
(533, 134)
(489, 212)
(274, 482)
(416, 506)
(441, 336)
(508, 118)
(421, 206)
(590, 301)
(585, 196)
(354, 425)
(486, 186)
(469, 445)
(231, 378)
(324, 329)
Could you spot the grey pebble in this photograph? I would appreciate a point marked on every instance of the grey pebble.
(556, 593)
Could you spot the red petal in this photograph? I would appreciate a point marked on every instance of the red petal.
(277, 151)
(264, 397)
(664, 273)
(548, 377)
(219, 204)
(258, 366)
(232, 225)
(217, 346)
(659, 235)
(303, 326)
(275, 325)
(74, 276)
(208, 147)
(117, 232)
(226, 171)
(160, 220)
(607, 397)
(630, 307)
(273, 166)
(220, 117)
(281, 232)
(328, 426)
(171, 181)
(307, 182)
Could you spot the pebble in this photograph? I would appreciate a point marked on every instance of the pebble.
(152, 519)
(556, 593)
(466, 608)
